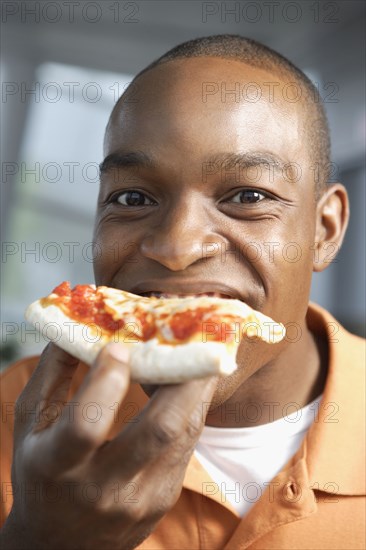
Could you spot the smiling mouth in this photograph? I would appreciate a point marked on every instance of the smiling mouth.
(169, 295)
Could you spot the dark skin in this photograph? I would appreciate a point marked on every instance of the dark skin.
(178, 214)
(185, 209)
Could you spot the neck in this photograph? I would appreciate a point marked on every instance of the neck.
(294, 379)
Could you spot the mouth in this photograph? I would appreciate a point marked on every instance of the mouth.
(180, 289)
(181, 295)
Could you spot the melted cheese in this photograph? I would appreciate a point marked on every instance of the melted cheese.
(124, 305)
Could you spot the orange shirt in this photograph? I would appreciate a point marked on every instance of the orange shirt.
(316, 502)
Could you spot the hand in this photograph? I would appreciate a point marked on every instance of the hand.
(72, 487)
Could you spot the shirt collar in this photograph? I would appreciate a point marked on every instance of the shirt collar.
(335, 443)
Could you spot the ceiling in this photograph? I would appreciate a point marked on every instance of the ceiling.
(306, 31)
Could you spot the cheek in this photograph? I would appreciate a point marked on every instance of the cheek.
(114, 248)
(288, 270)
(296, 243)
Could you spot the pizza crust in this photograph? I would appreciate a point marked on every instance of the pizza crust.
(155, 363)
(163, 359)
(150, 362)
(73, 337)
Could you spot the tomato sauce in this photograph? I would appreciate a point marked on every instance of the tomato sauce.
(212, 328)
(186, 323)
(148, 327)
(84, 304)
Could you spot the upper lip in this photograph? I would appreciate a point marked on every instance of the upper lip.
(181, 287)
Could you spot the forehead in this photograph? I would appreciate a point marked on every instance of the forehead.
(206, 104)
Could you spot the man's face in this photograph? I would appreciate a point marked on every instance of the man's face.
(174, 216)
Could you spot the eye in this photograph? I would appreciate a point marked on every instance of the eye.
(133, 198)
(248, 196)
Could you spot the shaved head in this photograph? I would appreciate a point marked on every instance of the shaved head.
(253, 53)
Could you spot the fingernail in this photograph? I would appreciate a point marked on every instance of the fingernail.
(119, 352)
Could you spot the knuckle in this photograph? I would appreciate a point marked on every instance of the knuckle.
(172, 427)
(194, 425)
(164, 430)
(167, 499)
(77, 434)
(148, 510)
(137, 513)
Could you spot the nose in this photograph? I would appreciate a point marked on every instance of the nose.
(184, 237)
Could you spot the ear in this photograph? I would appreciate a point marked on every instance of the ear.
(332, 216)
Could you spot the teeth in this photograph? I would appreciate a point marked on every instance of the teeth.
(167, 295)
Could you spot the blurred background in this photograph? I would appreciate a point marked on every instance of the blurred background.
(64, 65)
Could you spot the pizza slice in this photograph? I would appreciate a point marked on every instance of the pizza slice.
(171, 339)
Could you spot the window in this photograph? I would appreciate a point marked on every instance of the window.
(56, 187)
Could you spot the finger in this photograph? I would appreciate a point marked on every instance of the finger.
(58, 377)
(169, 468)
(50, 381)
(87, 420)
(172, 420)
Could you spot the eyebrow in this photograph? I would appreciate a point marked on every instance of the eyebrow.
(227, 160)
(125, 160)
(247, 160)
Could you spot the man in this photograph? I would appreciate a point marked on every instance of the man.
(207, 186)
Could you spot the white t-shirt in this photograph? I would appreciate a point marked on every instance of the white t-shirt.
(242, 460)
